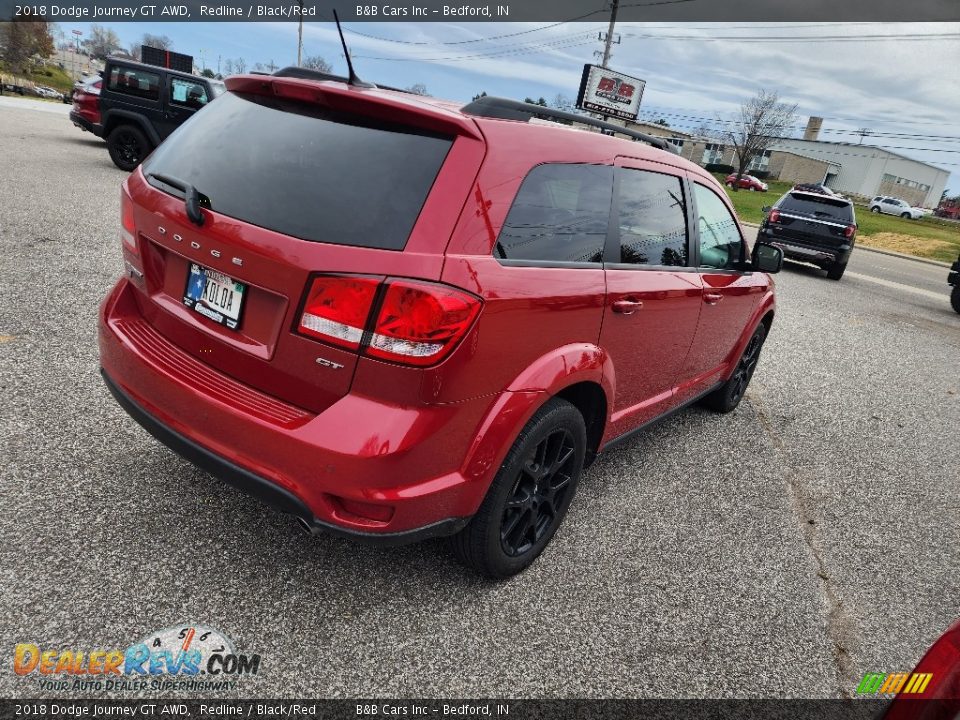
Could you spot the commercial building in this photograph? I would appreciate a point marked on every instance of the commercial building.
(859, 171)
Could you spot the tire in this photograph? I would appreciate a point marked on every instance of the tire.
(128, 147)
(752, 188)
(526, 501)
(835, 271)
(729, 184)
(875, 209)
(726, 398)
(955, 298)
(905, 215)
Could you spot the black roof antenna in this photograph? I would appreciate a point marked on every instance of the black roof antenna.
(352, 79)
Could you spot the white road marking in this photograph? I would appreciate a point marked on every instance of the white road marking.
(898, 286)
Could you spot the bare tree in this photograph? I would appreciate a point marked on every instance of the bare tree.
(102, 42)
(163, 42)
(762, 119)
(158, 41)
(418, 89)
(228, 66)
(316, 62)
(241, 65)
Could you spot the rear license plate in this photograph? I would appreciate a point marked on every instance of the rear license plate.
(214, 295)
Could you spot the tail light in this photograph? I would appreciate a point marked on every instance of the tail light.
(774, 215)
(849, 231)
(416, 323)
(128, 226)
(337, 308)
(419, 323)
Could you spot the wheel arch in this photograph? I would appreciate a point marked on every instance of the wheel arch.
(113, 119)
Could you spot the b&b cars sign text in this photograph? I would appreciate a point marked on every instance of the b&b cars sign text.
(609, 92)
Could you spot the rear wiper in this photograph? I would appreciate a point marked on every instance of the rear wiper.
(191, 197)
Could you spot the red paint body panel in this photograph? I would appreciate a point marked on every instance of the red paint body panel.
(324, 422)
(86, 103)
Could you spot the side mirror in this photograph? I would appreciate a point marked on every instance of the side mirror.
(766, 208)
(767, 258)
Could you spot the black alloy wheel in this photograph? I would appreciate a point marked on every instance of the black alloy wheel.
(538, 493)
(726, 398)
(529, 495)
(746, 367)
(128, 147)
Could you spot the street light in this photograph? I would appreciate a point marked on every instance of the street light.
(76, 54)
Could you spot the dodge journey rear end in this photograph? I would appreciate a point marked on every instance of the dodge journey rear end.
(397, 318)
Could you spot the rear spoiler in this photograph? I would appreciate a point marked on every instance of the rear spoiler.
(334, 94)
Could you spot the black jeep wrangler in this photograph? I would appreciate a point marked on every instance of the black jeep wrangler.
(954, 279)
(141, 104)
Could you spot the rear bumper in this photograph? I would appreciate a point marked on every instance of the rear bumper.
(85, 124)
(307, 465)
(799, 250)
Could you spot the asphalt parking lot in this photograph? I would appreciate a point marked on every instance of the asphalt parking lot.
(781, 551)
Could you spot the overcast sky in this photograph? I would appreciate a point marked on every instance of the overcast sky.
(898, 79)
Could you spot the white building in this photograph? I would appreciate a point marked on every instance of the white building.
(867, 171)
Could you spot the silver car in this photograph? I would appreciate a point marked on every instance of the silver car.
(895, 206)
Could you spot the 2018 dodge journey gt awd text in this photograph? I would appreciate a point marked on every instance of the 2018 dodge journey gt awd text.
(396, 317)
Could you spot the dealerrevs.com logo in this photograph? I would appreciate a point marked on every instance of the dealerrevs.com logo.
(186, 657)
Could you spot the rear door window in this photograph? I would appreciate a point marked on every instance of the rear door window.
(138, 83)
(560, 214)
(651, 217)
(822, 207)
(304, 171)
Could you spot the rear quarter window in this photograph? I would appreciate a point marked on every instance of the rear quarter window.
(560, 214)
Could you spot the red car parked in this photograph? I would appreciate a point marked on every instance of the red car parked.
(396, 317)
(747, 182)
(85, 113)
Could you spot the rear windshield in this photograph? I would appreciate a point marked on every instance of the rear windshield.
(304, 171)
(822, 206)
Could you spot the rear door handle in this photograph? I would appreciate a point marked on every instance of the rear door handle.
(626, 307)
(712, 298)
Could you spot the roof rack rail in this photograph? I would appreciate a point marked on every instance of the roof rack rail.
(506, 109)
(292, 71)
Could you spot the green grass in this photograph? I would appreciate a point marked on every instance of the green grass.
(928, 237)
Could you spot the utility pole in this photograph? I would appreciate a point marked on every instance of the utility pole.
(300, 37)
(614, 5)
(862, 132)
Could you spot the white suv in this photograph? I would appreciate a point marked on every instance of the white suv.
(895, 206)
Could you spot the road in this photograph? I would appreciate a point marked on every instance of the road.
(779, 551)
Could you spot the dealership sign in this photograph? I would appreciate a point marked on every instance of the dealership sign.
(611, 93)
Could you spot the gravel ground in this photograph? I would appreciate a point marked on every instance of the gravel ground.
(781, 551)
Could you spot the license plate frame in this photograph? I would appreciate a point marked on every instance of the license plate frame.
(201, 281)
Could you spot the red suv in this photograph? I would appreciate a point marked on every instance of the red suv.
(397, 318)
(85, 113)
